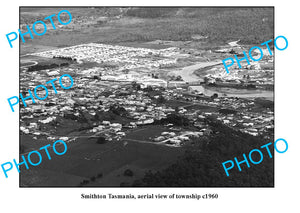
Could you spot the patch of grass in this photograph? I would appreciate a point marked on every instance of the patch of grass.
(146, 133)
(79, 164)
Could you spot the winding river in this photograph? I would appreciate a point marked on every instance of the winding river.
(188, 75)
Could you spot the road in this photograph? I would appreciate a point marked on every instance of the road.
(74, 138)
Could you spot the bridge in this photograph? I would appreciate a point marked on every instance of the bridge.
(183, 85)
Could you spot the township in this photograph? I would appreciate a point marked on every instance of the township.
(152, 103)
(126, 84)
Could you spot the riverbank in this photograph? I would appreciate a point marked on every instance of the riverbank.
(193, 73)
(188, 73)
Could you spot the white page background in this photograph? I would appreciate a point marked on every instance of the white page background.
(282, 198)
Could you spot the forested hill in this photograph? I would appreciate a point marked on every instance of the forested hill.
(250, 25)
(202, 165)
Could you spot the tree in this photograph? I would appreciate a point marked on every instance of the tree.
(161, 99)
(251, 86)
(227, 111)
(135, 85)
(232, 51)
(215, 95)
(178, 78)
(101, 140)
(175, 119)
(118, 110)
(206, 80)
(126, 71)
(128, 173)
(148, 89)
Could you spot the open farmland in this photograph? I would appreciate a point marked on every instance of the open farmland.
(114, 25)
(86, 159)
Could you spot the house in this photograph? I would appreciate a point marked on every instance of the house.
(160, 138)
(116, 126)
(106, 123)
(144, 122)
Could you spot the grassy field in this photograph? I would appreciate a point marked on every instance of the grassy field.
(147, 133)
(220, 25)
(43, 60)
(86, 159)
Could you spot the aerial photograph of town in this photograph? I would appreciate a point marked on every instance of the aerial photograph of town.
(151, 103)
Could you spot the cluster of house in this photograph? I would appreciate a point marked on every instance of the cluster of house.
(33, 128)
(177, 139)
(245, 119)
(143, 80)
(122, 56)
(138, 106)
(258, 77)
(87, 97)
(251, 123)
(111, 131)
(92, 96)
(142, 110)
(260, 72)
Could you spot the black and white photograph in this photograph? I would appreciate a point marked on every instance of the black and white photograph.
(146, 96)
(153, 106)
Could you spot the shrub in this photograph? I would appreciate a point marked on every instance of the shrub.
(101, 140)
(128, 173)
